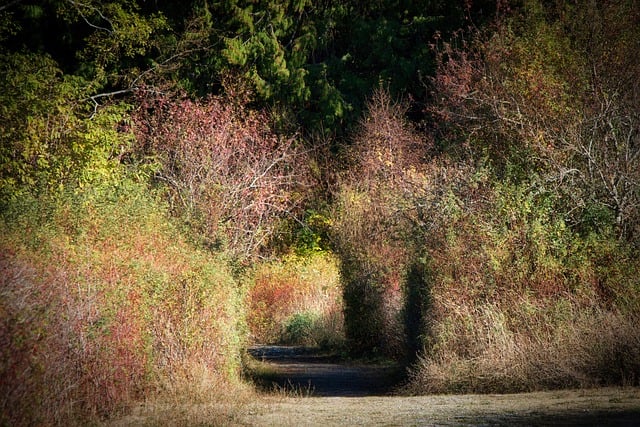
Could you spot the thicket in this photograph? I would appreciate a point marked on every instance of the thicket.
(104, 304)
(106, 300)
(297, 301)
(550, 251)
(229, 175)
(508, 226)
(368, 230)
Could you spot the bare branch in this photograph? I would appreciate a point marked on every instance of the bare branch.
(78, 7)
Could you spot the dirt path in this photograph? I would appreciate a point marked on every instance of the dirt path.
(329, 393)
(307, 372)
(353, 395)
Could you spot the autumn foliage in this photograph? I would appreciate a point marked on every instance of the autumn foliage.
(106, 305)
(368, 230)
(537, 94)
(297, 301)
(520, 284)
(178, 181)
(490, 239)
(226, 169)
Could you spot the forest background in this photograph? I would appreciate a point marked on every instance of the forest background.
(454, 185)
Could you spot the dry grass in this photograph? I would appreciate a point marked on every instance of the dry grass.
(191, 398)
(584, 350)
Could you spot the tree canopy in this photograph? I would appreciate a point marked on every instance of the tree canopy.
(314, 62)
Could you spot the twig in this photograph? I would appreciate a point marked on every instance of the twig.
(77, 5)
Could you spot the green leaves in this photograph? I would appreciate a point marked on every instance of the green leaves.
(49, 139)
(120, 34)
(268, 44)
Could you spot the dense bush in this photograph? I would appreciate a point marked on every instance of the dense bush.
(229, 174)
(296, 301)
(104, 303)
(480, 241)
(538, 95)
(507, 279)
(370, 229)
(522, 290)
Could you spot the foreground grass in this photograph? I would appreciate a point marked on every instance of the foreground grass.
(220, 409)
(584, 407)
(602, 406)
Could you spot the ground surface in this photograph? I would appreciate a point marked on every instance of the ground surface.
(318, 390)
(327, 392)
(602, 407)
(306, 372)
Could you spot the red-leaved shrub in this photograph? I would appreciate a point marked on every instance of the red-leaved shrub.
(224, 166)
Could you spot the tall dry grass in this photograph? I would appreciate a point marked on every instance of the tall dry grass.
(585, 350)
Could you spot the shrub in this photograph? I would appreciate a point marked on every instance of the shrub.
(533, 192)
(105, 303)
(296, 301)
(369, 227)
(510, 289)
(489, 269)
(228, 173)
(534, 93)
(298, 328)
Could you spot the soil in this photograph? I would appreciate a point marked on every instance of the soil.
(317, 389)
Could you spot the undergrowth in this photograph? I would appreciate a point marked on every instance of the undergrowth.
(296, 300)
(517, 301)
(105, 303)
(480, 270)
